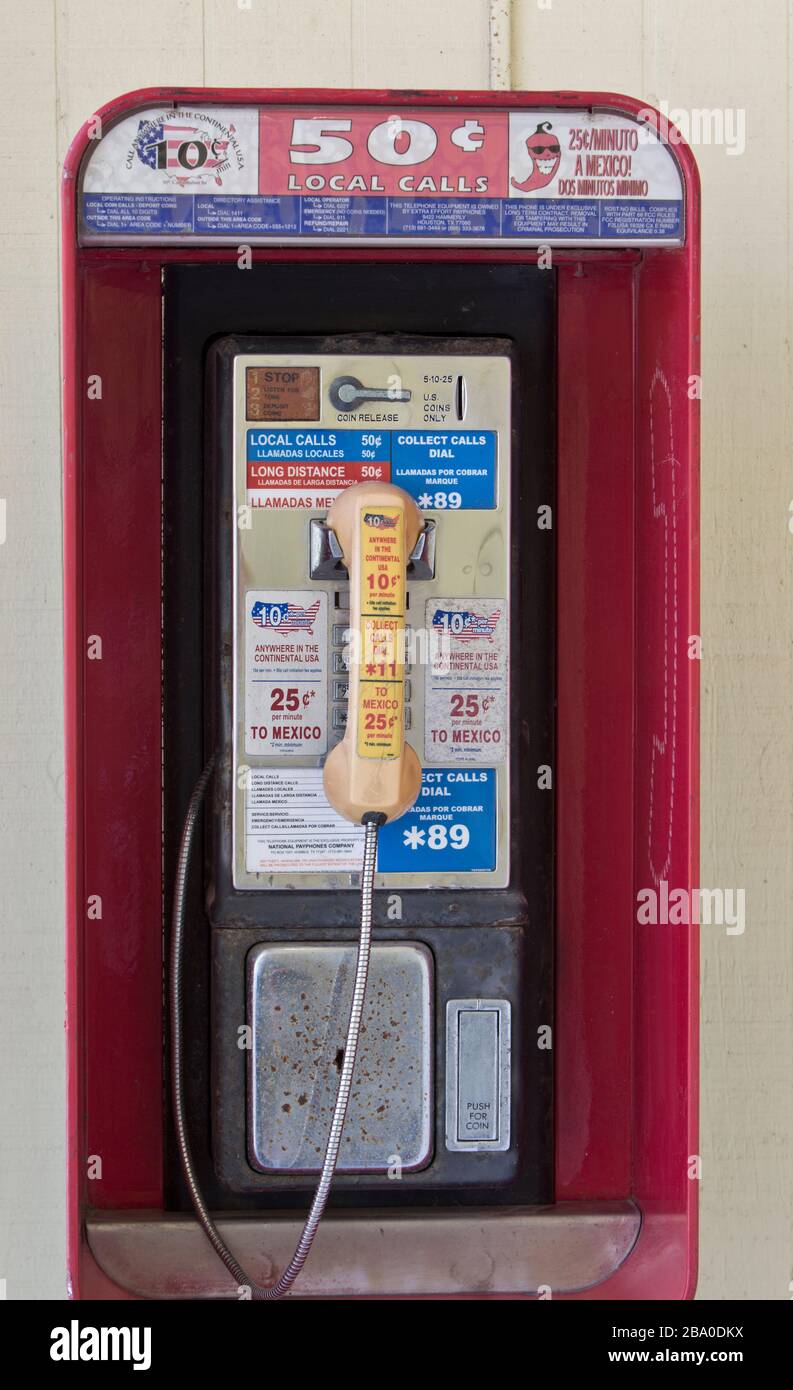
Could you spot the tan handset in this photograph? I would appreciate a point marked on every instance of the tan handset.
(373, 769)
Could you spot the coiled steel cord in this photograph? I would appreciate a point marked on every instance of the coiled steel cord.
(372, 823)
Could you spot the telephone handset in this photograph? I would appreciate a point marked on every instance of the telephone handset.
(373, 770)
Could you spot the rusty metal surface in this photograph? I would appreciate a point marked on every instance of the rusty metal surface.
(273, 393)
(569, 1247)
(299, 1005)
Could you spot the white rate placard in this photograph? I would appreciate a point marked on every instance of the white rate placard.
(286, 672)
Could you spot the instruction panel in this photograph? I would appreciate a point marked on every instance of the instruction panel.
(286, 669)
(529, 176)
(305, 470)
(467, 681)
(434, 649)
(290, 827)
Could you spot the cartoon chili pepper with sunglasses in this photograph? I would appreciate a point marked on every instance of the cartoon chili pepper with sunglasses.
(545, 152)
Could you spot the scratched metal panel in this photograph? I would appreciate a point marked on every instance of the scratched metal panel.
(299, 1006)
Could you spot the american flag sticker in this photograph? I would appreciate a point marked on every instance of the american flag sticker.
(188, 152)
(178, 150)
(285, 617)
(466, 625)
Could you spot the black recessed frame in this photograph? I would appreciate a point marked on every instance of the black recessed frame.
(494, 943)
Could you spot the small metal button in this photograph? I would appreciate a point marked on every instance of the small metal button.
(477, 1076)
(478, 1058)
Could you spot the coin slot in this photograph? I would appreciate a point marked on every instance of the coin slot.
(460, 398)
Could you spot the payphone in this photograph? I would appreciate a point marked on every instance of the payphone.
(362, 506)
(380, 553)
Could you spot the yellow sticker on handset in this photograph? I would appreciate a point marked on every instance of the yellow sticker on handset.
(381, 712)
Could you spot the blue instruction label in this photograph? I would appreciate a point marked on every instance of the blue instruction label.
(446, 469)
(267, 444)
(451, 828)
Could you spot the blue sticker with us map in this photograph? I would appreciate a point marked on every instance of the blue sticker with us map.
(450, 829)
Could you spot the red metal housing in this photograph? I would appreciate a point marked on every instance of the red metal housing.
(627, 778)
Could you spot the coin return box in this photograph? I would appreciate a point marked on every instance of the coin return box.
(299, 1004)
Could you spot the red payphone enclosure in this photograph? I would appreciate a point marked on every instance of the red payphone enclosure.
(620, 213)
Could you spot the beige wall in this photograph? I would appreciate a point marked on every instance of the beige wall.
(59, 59)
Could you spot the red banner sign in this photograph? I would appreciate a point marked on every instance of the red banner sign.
(418, 152)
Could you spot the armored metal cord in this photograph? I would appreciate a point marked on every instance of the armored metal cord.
(372, 823)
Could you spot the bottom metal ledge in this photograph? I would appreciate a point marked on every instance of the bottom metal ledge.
(564, 1248)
